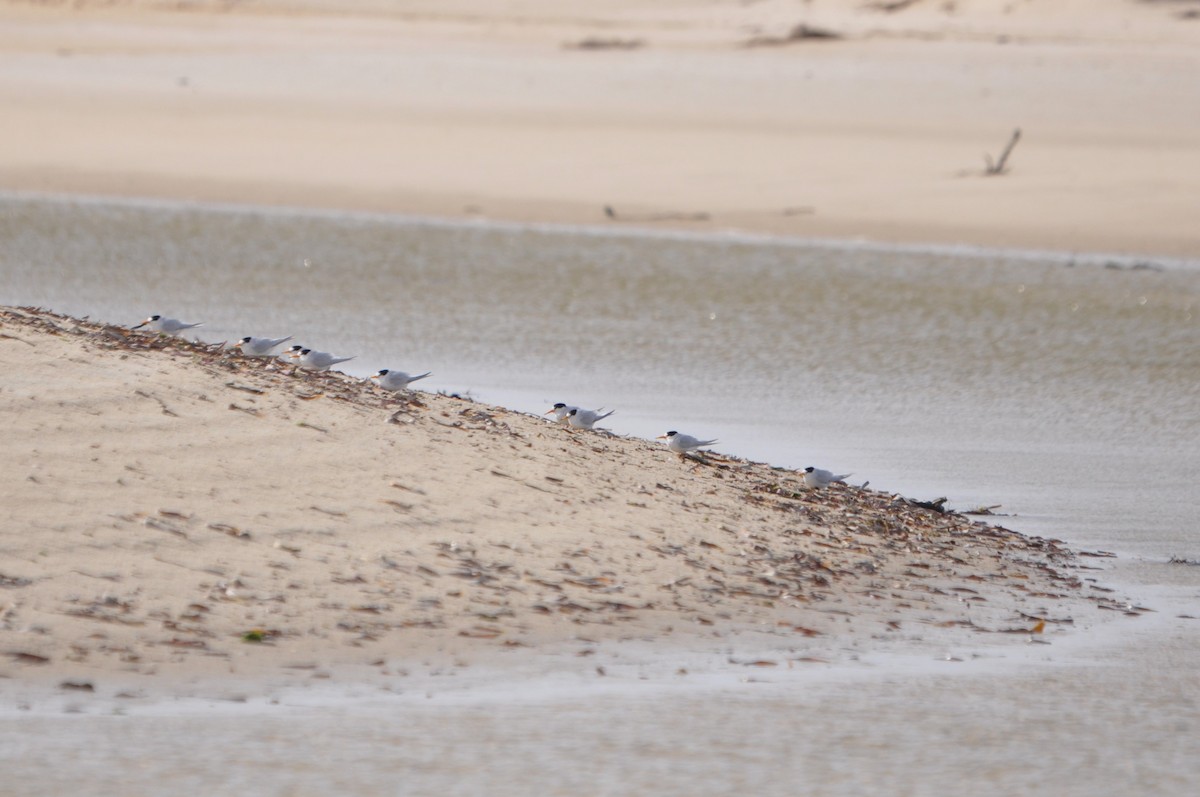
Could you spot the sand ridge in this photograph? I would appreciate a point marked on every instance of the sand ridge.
(174, 508)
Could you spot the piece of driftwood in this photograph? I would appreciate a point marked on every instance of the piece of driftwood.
(999, 166)
(611, 213)
(890, 6)
(594, 43)
(938, 505)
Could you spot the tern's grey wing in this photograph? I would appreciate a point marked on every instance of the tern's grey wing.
(397, 380)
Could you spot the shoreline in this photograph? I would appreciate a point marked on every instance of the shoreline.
(1111, 259)
(1103, 241)
(569, 540)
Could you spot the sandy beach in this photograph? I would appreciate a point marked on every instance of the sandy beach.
(699, 115)
(178, 510)
(219, 573)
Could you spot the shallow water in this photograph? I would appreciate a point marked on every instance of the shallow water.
(1024, 721)
(1066, 390)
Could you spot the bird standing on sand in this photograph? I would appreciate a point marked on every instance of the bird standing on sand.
(260, 347)
(167, 326)
(585, 419)
(815, 477)
(683, 444)
(315, 360)
(396, 380)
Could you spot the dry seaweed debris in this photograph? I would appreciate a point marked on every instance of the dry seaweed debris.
(799, 33)
(598, 43)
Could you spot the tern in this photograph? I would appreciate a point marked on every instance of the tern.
(683, 444)
(815, 477)
(396, 380)
(167, 326)
(561, 411)
(315, 360)
(585, 419)
(260, 347)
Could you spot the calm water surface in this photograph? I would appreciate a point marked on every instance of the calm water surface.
(1063, 389)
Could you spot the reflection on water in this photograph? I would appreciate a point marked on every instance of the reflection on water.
(1067, 391)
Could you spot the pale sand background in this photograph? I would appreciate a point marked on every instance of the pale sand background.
(485, 109)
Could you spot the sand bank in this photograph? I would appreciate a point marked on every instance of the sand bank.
(175, 509)
(700, 115)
